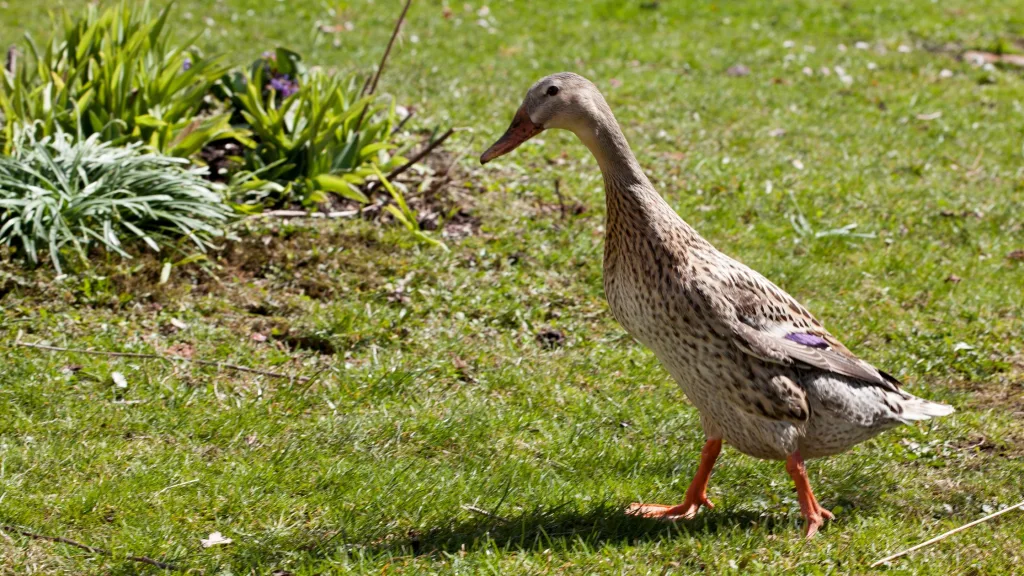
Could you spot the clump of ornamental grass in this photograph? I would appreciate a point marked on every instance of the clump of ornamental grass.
(62, 195)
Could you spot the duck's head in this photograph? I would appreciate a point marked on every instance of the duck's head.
(564, 100)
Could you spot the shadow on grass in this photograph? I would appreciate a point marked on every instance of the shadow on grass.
(566, 526)
(569, 526)
(575, 524)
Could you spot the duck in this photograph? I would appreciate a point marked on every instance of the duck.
(765, 375)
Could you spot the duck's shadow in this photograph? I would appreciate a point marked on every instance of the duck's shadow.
(573, 524)
(570, 525)
(564, 527)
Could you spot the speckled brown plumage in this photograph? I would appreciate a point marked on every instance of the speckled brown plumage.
(765, 375)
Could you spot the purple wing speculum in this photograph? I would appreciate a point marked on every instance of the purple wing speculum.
(809, 340)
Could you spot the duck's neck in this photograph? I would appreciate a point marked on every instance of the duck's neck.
(627, 188)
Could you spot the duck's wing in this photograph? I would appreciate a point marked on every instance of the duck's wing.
(766, 322)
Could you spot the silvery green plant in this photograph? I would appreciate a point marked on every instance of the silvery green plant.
(62, 194)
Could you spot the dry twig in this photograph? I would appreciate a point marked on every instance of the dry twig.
(371, 82)
(401, 123)
(558, 192)
(482, 512)
(412, 161)
(162, 357)
(87, 548)
(12, 60)
(946, 535)
(329, 215)
(387, 51)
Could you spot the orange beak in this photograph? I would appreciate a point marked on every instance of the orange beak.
(521, 130)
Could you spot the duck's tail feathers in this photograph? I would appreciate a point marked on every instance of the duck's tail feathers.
(919, 409)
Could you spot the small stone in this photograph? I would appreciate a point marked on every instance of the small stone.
(549, 338)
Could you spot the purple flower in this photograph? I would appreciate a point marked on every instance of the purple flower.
(186, 65)
(809, 340)
(283, 85)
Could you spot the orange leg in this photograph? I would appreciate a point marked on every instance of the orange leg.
(809, 507)
(696, 494)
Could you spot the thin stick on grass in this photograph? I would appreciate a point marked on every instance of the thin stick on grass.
(164, 358)
(558, 192)
(90, 549)
(329, 215)
(946, 535)
(178, 485)
(482, 512)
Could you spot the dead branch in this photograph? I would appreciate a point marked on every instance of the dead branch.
(401, 123)
(90, 549)
(165, 358)
(558, 192)
(412, 161)
(387, 51)
(371, 87)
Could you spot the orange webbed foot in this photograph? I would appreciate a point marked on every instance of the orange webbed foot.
(685, 511)
(696, 494)
(816, 520)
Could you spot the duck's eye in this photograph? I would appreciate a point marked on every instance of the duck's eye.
(552, 90)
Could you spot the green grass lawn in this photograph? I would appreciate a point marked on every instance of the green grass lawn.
(886, 195)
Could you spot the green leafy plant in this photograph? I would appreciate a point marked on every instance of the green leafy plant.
(115, 74)
(403, 214)
(312, 133)
(62, 191)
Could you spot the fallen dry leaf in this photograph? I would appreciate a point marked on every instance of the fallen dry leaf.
(929, 116)
(953, 279)
(181, 349)
(1016, 256)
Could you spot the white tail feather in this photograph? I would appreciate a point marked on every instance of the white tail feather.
(918, 409)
